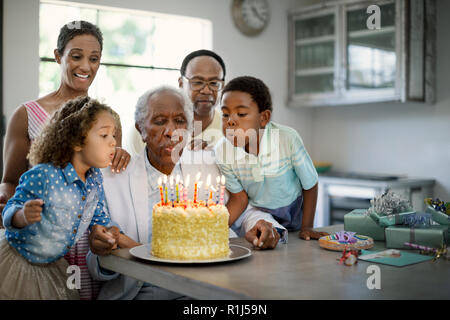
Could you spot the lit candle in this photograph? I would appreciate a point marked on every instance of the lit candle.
(171, 188)
(185, 188)
(165, 188)
(161, 190)
(196, 186)
(211, 193)
(217, 189)
(222, 190)
(177, 181)
(208, 182)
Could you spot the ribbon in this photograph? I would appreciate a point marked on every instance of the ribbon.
(346, 237)
(418, 220)
(442, 252)
(347, 255)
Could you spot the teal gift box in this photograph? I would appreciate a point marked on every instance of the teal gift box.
(434, 236)
(358, 221)
(391, 219)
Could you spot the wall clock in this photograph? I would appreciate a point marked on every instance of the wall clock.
(251, 17)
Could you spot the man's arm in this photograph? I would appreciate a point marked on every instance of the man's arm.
(236, 205)
(309, 210)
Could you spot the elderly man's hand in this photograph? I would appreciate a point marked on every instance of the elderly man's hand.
(121, 160)
(103, 240)
(263, 235)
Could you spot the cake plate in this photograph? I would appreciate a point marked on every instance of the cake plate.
(236, 253)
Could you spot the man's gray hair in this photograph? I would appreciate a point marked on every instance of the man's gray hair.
(141, 112)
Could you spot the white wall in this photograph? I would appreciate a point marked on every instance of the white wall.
(394, 138)
(264, 56)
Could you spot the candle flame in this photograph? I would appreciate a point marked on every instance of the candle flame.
(197, 177)
(208, 180)
(171, 181)
(187, 181)
(222, 180)
(213, 189)
(165, 179)
(159, 181)
(218, 179)
(177, 180)
(200, 184)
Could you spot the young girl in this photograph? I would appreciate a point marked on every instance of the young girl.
(265, 163)
(56, 201)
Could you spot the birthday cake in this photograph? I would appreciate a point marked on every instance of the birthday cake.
(190, 231)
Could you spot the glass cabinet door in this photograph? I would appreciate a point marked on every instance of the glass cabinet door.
(314, 54)
(371, 54)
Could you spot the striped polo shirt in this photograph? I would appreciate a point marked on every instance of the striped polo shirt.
(275, 178)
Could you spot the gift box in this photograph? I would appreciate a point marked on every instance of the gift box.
(392, 219)
(358, 221)
(434, 236)
(439, 216)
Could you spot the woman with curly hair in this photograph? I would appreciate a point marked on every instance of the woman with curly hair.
(57, 200)
(78, 52)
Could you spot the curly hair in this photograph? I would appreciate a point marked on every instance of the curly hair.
(67, 129)
(254, 87)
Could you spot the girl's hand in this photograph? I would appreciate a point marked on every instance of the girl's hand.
(103, 240)
(121, 160)
(308, 233)
(29, 214)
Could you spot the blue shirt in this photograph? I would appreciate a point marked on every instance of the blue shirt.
(274, 179)
(70, 207)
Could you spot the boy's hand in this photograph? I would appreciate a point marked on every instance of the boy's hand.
(309, 233)
(263, 235)
(29, 214)
(121, 160)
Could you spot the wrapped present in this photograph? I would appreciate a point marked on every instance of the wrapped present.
(434, 236)
(439, 210)
(392, 219)
(389, 209)
(359, 221)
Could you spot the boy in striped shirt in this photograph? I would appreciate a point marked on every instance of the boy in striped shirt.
(265, 164)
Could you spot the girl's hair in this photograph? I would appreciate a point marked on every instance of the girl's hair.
(67, 129)
(254, 87)
(77, 28)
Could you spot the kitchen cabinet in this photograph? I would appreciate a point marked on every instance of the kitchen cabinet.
(341, 192)
(336, 59)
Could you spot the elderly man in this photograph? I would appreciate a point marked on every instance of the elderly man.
(202, 76)
(160, 115)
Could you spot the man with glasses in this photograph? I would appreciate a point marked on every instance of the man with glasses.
(202, 78)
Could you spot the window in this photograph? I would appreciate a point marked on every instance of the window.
(141, 50)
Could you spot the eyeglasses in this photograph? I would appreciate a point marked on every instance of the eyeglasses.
(197, 84)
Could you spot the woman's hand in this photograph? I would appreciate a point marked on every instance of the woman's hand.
(6, 192)
(121, 160)
(309, 233)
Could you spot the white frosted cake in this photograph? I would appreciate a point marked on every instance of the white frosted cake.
(190, 232)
